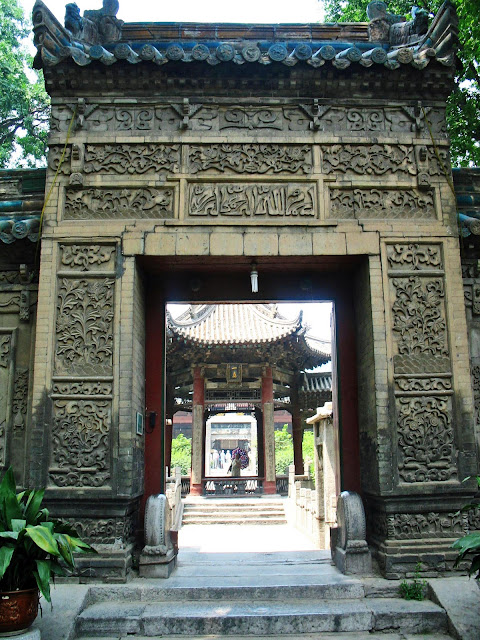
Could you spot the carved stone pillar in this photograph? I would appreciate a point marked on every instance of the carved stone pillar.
(197, 431)
(270, 484)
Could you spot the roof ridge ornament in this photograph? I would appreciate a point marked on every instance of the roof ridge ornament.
(388, 27)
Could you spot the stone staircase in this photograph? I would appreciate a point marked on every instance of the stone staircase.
(345, 610)
(255, 511)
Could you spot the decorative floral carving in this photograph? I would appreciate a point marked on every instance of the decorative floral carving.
(418, 318)
(5, 346)
(423, 385)
(131, 158)
(375, 159)
(438, 161)
(55, 153)
(251, 118)
(425, 440)
(404, 526)
(80, 443)
(20, 395)
(104, 530)
(380, 203)
(15, 277)
(84, 331)
(82, 388)
(414, 257)
(83, 256)
(10, 303)
(119, 203)
(251, 158)
(208, 199)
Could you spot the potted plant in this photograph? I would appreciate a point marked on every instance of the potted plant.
(33, 549)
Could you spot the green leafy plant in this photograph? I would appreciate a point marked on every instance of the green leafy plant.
(416, 589)
(33, 547)
(470, 544)
(283, 450)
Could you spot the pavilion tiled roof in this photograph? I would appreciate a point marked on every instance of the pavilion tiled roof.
(386, 41)
(241, 324)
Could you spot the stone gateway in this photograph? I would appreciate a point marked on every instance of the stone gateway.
(179, 155)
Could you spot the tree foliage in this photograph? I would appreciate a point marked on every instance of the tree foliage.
(182, 453)
(463, 107)
(24, 104)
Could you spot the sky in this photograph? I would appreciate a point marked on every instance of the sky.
(195, 11)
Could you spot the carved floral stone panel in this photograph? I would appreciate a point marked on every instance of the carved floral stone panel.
(414, 257)
(247, 199)
(84, 328)
(374, 160)
(139, 203)
(419, 316)
(104, 530)
(380, 203)
(131, 158)
(423, 385)
(87, 257)
(250, 158)
(251, 118)
(80, 443)
(426, 450)
(5, 397)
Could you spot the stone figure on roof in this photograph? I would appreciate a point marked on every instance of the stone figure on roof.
(98, 26)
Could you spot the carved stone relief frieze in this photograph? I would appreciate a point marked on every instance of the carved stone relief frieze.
(104, 530)
(6, 354)
(380, 203)
(10, 302)
(140, 203)
(405, 526)
(247, 199)
(425, 439)
(250, 158)
(82, 388)
(86, 257)
(475, 370)
(374, 160)
(20, 397)
(269, 118)
(131, 158)
(81, 443)
(84, 328)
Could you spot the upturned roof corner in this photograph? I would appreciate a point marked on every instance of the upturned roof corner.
(387, 40)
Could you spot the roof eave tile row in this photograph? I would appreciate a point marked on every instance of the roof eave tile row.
(55, 44)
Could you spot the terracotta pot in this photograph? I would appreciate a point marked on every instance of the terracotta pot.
(18, 610)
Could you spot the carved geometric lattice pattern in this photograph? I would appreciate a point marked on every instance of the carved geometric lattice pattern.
(84, 329)
(81, 447)
(425, 439)
(418, 320)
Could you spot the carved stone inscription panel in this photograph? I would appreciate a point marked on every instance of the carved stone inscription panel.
(380, 203)
(252, 199)
(138, 203)
(423, 387)
(82, 386)
(131, 158)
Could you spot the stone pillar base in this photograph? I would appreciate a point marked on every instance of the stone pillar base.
(157, 566)
(195, 489)
(269, 487)
(111, 564)
(355, 559)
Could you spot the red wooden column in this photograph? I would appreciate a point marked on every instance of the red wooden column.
(154, 393)
(197, 431)
(270, 483)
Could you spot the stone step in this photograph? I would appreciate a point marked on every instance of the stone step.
(225, 520)
(259, 617)
(355, 635)
(284, 591)
(235, 507)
